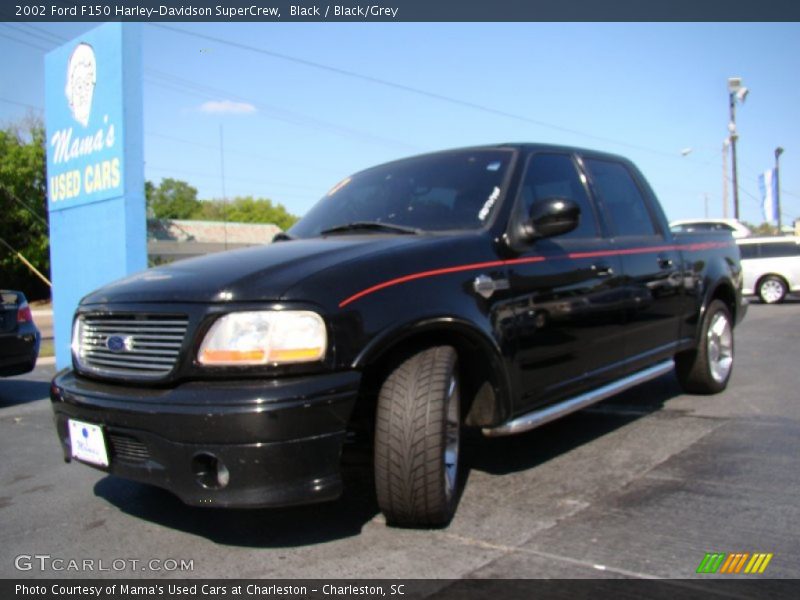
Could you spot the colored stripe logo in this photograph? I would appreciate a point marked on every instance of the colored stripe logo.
(532, 259)
(734, 563)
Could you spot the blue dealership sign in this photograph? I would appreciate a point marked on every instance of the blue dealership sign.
(95, 167)
(85, 126)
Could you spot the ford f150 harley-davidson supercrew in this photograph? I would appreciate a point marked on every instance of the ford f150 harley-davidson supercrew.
(494, 288)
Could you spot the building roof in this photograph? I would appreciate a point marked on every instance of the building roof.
(211, 232)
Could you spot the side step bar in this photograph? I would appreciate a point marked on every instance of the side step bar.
(539, 417)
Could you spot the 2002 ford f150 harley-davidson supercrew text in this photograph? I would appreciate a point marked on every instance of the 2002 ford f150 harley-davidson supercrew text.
(494, 288)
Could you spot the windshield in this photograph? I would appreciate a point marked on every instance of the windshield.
(455, 190)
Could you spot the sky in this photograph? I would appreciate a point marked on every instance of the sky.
(305, 104)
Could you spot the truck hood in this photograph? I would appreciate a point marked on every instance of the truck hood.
(250, 274)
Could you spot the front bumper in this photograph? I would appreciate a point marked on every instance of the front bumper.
(279, 440)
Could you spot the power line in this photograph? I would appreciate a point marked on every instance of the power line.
(406, 88)
(207, 175)
(187, 86)
(38, 34)
(294, 120)
(41, 33)
(182, 85)
(247, 154)
(44, 34)
(24, 42)
(7, 193)
(24, 104)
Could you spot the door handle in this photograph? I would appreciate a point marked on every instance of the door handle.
(665, 263)
(602, 270)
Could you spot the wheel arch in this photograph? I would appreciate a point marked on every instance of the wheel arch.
(485, 379)
(725, 292)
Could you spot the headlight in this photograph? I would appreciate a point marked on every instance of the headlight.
(264, 337)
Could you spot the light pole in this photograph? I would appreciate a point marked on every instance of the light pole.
(778, 152)
(736, 92)
(726, 143)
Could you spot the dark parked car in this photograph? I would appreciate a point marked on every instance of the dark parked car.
(496, 288)
(19, 337)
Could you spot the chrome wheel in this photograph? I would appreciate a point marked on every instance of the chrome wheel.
(719, 340)
(452, 436)
(771, 291)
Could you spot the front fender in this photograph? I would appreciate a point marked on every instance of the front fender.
(494, 407)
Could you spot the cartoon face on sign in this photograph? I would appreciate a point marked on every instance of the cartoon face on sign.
(81, 78)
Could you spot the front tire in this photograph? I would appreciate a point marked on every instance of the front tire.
(417, 440)
(772, 289)
(707, 369)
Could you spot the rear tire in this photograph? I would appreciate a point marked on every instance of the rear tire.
(707, 369)
(417, 440)
(772, 289)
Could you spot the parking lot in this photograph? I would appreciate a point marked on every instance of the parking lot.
(642, 485)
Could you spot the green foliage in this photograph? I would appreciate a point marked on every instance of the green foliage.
(762, 229)
(246, 210)
(23, 207)
(175, 199)
(172, 199)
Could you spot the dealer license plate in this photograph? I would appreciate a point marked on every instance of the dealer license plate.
(88, 443)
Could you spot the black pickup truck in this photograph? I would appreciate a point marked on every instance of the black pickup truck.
(494, 288)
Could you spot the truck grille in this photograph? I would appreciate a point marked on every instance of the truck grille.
(141, 346)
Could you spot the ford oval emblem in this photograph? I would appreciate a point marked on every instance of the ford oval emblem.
(119, 343)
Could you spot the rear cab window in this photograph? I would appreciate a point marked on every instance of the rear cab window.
(621, 198)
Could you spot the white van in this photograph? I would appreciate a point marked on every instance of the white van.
(771, 267)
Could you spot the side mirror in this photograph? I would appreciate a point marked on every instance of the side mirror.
(550, 217)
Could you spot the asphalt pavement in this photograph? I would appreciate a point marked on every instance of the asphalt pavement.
(642, 485)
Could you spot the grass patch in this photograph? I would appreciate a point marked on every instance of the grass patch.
(46, 349)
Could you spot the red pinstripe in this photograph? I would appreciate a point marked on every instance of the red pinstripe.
(531, 259)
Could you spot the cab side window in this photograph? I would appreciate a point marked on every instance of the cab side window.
(556, 176)
(621, 197)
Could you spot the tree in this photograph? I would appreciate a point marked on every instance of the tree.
(246, 209)
(172, 199)
(762, 229)
(23, 207)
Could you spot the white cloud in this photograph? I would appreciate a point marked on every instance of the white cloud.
(228, 107)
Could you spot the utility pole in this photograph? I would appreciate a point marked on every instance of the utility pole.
(734, 175)
(736, 92)
(777, 183)
(725, 144)
(27, 263)
(224, 197)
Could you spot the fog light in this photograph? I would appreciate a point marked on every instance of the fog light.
(209, 471)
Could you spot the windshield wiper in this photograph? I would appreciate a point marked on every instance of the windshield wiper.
(371, 226)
